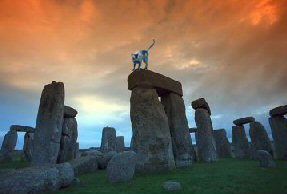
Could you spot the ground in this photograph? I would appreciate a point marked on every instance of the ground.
(227, 176)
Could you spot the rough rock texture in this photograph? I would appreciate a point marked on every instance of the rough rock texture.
(201, 103)
(265, 159)
(179, 130)
(21, 128)
(108, 139)
(8, 146)
(105, 158)
(121, 167)
(242, 121)
(278, 111)
(148, 79)
(34, 180)
(85, 164)
(77, 150)
(28, 146)
(205, 142)
(120, 144)
(192, 130)
(151, 138)
(279, 133)
(259, 137)
(223, 147)
(240, 142)
(69, 112)
(46, 143)
(69, 137)
(172, 186)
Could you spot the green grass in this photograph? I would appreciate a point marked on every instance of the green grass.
(228, 176)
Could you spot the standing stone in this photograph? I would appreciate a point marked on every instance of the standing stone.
(205, 142)
(259, 137)
(240, 142)
(120, 141)
(108, 139)
(46, 143)
(179, 130)
(28, 146)
(265, 159)
(279, 133)
(68, 140)
(223, 148)
(8, 146)
(77, 150)
(151, 138)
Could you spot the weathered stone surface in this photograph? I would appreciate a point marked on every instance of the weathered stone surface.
(259, 137)
(172, 186)
(34, 180)
(205, 142)
(151, 80)
(21, 128)
(240, 142)
(265, 159)
(151, 138)
(8, 146)
(46, 143)
(201, 103)
(192, 130)
(77, 150)
(69, 137)
(179, 130)
(279, 134)
(242, 121)
(105, 158)
(28, 146)
(121, 167)
(85, 164)
(120, 141)
(278, 111)
(223, 148)
(108, 139)
(69, 112)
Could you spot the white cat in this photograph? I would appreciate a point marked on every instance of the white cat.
(140, 56)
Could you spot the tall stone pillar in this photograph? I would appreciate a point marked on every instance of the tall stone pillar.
(223, 147)
(46, 143)
(8, 146)
(120, 144)
(240, 142)
(179, 130)
(28, 146)
(108, 139)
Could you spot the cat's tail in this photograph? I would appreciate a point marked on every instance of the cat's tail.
(151, 44)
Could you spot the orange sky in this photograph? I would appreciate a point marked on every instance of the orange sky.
(231, 52)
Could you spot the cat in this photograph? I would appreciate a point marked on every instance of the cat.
(140, 56)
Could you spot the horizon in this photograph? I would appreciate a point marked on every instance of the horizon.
(233, 54)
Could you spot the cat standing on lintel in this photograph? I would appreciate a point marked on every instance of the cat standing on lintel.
(140, 56)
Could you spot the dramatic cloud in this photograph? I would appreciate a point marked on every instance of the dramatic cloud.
(233, 53)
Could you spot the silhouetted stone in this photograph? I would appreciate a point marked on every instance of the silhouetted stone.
(151, 138)
(265, 159)
(223, 148)
(69, 112)
(172, 186)
(242, 121)
(192, 130)
(259, 137)
(279, 133)
(8, 146)
(278, 111)
(121, 167)
(240, 142)
(28, 146)
(20, 128)
(46, 143)
(120, 141)
(179, 130)
(201, 103)
(85, 164)
(108, 139)
(148, 79)
(205, 143)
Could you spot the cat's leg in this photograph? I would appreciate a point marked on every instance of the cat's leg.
(140, 64)
(134, 66)
(146, 62)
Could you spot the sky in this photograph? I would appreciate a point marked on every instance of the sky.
(233, 53)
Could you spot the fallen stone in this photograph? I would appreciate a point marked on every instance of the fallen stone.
(8, 146)
(49, 125)
(150, 80)
(120, 144)
(240, 142)
(84, 165)
(201, 103)
(121, 167)
(28, 146)
(20, 128)
(265, 159)
(108, 139)
(242, 121)
(223, 147)
(278, 111)
(69, 112)
(172, 186)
